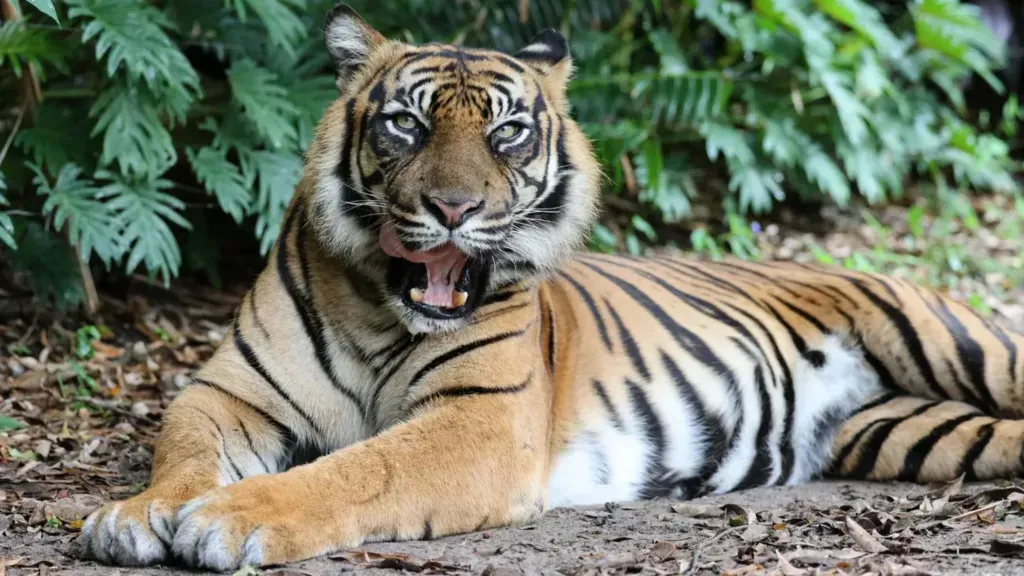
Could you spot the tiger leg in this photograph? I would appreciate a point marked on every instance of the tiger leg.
(476, 460)
(918, 440)
(209, 440)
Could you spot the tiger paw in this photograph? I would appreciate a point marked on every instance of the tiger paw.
(255, 522)
(135, 532)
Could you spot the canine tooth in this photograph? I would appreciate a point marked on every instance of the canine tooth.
(459, 298)
(416, 294)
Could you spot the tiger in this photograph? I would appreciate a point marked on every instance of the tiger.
(431, 350)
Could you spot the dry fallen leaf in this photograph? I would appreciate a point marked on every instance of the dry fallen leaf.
(788, 569)
(864, 540)
(662, 551)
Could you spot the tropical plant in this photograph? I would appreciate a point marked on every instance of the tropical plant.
(177, 110)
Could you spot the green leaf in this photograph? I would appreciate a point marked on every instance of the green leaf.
(46, 7)
(824, 172)
(21, 46)
(144, 212)
(758, 188)
(284, 27)
(222, 179)
(278, 174)
(6, 225)
(955, 29)
(264, 102)
(131, 34)
(851, 111)
(72, 200)
(59, 136)
(672, 99)
(133, 135)
(8, 423)
(55, 277)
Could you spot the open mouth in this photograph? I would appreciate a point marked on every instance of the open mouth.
(443, 283)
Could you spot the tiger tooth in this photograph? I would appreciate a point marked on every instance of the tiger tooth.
(416, 294)
(459, 298)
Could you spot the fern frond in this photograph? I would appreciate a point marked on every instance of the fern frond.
(21, 46)
(55, 276)
(46, 7)
(72, 200)
(131, 34)
(222, 179)
(133, 135)
(6, 225)
(283, 25)
(674, 100)
(264, 102)
(277, 175)
(144, 212)
(60, 135)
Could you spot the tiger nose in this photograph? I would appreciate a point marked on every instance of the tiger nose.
(452, 212)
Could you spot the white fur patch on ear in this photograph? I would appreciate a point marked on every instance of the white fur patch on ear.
(549, 48)
(349, 40)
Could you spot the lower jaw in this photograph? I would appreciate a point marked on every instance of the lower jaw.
(404, 276)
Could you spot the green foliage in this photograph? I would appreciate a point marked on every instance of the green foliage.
(157, 116)
(84, 337)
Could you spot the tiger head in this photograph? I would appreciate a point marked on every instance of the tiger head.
(448, 172)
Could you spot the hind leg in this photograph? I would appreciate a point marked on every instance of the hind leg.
(209, 440)
(919, 440)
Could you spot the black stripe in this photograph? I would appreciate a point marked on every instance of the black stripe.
(844, 453)
(653, 430)
(629, 344)
(285, 434)
(985, 434)
(916, 456)
(550, 313)
(252, 447)
(761, 466)
(255, 316)
(685, 337)
(463, 391)
(789, 393)
(223, 445)
(250, 358)
(589, 301)
(492, 314)
(602, 394)
(311, 321)
(428, 531)
(972, 355)
(461, 350)
(873, 445)
(714, 435)
(908, 333)
(885, 398)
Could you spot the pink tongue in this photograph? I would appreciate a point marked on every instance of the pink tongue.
(444, 266)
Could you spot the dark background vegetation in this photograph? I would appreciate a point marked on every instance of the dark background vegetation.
(164, 138)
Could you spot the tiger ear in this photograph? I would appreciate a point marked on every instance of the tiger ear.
(350, 41)
(548, 54)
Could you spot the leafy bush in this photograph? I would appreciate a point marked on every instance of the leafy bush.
(192, 103)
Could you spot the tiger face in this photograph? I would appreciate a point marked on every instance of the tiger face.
(446, 172)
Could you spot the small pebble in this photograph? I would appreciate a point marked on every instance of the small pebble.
(125, 427)
(139, 352)
(140, 410)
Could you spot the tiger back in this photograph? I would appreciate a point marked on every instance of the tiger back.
(428, 352)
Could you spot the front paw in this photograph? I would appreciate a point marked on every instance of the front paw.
(136, 532)
(258, 521)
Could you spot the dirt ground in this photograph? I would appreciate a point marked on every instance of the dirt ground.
(798, 530)
(81, 402)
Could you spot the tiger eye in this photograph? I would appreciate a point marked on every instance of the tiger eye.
(508, 131)
(405, 122)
